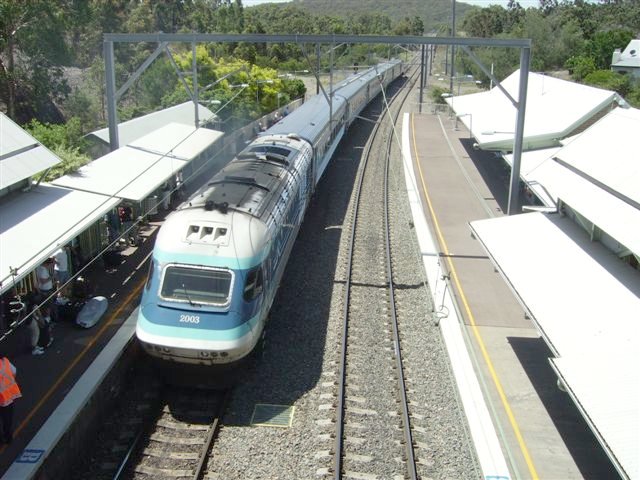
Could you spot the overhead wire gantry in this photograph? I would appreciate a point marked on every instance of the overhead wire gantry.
(164, 39)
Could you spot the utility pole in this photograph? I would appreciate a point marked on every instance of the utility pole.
(453, 48)
(422, 73)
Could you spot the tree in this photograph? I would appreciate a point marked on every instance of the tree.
(609, 81)
(409, 26)
(32, 50)
(484, 22)
(634, 96)
(604, 43)
(580, 66)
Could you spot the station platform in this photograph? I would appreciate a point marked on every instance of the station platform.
(540, 432)
(48, 379)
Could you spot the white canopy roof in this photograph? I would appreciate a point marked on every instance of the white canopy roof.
(177, 140)
(127, 173)
(533, 166)
(596, 176)
(133, 129)
(554, 109)
(585, 303)
(133, 172)
(608, 152)
(21, 155)
(36, 223)
(585, 379)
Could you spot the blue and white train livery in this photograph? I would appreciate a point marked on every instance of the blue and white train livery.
(219, 258)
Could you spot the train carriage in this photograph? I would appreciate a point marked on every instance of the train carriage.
(219, 258)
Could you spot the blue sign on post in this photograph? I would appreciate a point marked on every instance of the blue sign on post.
(30, 456)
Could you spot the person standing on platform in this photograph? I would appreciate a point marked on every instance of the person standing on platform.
(61, 266)
(9, 392)
(33, 322)
(44, 279)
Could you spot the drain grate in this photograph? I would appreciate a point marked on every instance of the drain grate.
(265, 415)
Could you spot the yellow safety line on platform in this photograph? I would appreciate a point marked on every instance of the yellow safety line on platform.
(474, 327)
(51, 391)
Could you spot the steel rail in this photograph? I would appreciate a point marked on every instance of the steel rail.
(211, 435)
(408, 438)
(339, 435)
(202, 457)
(136, 440)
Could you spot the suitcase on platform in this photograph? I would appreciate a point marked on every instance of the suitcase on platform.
(92, 311)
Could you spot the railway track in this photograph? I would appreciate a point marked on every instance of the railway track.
(155, 431)
(373, 428)
(177, 439)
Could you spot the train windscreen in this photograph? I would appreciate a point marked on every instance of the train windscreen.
(196, 286)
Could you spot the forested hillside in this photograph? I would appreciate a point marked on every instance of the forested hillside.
(52, 70)
(433, 13)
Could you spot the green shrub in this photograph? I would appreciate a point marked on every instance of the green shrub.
(436, 95)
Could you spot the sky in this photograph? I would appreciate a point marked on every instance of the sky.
(481, 3)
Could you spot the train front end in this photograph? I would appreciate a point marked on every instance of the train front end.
(202, 304)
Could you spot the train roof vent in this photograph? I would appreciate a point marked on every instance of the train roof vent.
(207, 233)
(293, 136)
(222, 207)
(251, 181)
(273, 157)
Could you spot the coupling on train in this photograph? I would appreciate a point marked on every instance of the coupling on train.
(219, 258)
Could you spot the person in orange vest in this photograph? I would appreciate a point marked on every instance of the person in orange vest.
(9, 391)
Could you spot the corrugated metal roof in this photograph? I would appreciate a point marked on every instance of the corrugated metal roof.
(134, 172)
(551, 180)
(555, 108)
(126, 173)
(178, 140)
(584, 302)
(533, 166)
(35, 223)
(608, 397)
(602, 178)
(608, 152)
(136, 128)
(21, 155)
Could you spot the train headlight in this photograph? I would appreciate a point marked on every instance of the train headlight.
(224, 354)
(204, 354)
(166, 350)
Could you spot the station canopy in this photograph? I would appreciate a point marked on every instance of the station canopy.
(585, 303)
(135, 171)
(39, 221)
(21, 155)
(555, 108)
(596, 174)
(609, 153)
(133, 129)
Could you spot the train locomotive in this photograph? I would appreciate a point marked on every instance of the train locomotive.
(219, 258)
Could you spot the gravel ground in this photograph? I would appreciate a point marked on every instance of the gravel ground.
(439, 427)
(298, 364)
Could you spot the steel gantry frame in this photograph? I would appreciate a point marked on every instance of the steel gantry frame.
(163, 40)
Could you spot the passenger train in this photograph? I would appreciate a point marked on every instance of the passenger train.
(219, 258)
